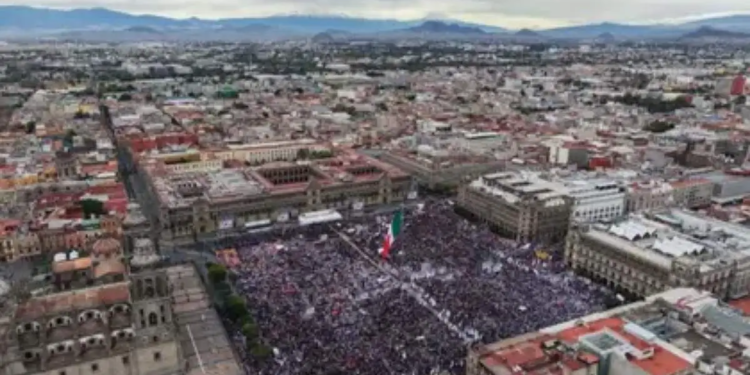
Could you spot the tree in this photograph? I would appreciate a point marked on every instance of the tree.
(30, 127)
(236, 308)
(92, 207)
(217, 273)
(239, 105)
(125, 97)
(303, 154)
(659, 126)
(320, 154)
(261, 352)
(68, 138)
(250, 331)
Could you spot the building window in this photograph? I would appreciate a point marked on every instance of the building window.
(157, 356)
(62, 372)
(125, 360)
(94, 367)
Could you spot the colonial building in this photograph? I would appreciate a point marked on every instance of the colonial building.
(646, 254)
(516, 207)
(228, 196)
(97, 320)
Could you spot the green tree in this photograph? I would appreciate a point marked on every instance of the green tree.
(217, 273)
(320, 154)
(250, 331)
(303, 154)
(236, 308)
(125, 97)
(92, 207)
(261, 352)
(239, 105)
(659, 126)
(30, 127)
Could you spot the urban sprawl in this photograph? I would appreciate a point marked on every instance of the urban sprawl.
(322, 207)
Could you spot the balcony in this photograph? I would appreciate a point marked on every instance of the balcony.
(32, 365)
(28, 340)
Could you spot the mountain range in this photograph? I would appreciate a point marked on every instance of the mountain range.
(30, 22)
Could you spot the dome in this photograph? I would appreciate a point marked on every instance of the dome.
(106, 247)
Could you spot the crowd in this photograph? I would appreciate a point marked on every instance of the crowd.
(493, 286)
(326, 309)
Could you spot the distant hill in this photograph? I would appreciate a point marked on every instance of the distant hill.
(31, 22)
(738, 22)
(616, 30)
(30, 18)
(323, 38)
(527, 33)
(605, 37)
(707, 32)
(439, 27)
(77, 19)
(142, 29)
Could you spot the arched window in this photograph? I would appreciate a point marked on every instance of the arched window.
(153, 319)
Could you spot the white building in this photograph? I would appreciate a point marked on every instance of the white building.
(594, 200)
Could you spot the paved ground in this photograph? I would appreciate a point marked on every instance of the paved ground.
(203, 340)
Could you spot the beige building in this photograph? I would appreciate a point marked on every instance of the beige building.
(692, 193)
(442, 170)
(647, 254)
(643, 196)
(516, 207)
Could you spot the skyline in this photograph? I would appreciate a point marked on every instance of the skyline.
(533, 14)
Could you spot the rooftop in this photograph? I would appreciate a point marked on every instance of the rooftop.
(235, 180)
(516, 187)
(660, 237)
(38, 307)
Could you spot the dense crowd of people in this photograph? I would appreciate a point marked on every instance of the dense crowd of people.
(326, 308)
(490, 285)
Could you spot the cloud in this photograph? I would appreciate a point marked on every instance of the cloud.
(511, 13)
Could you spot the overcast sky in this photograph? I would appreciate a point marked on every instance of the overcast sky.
(508, 13)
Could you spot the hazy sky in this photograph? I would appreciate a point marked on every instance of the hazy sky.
(508, 13)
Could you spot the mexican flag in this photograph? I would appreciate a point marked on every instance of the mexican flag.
(393, 231)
